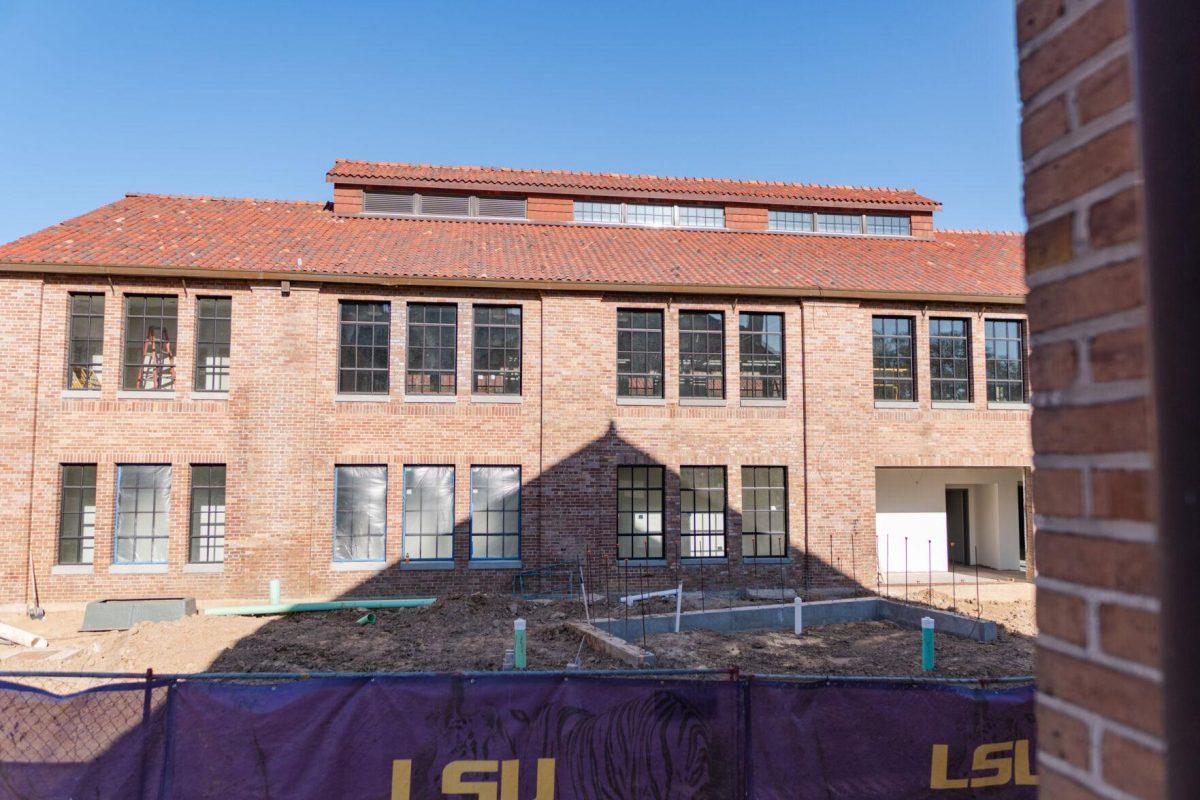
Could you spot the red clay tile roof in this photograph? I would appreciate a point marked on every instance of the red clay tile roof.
(583, 183)
(195, 234)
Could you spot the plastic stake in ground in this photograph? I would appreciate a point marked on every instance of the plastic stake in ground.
(519, 644)
(926, 644)
(797, 618)
(678, 605)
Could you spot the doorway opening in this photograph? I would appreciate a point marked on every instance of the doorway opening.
(958, 526)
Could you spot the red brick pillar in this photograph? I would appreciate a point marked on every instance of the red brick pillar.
(1100, 709)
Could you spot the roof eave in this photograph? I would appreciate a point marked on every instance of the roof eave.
(317, 276)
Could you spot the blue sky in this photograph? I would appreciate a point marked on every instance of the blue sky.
(257, 99)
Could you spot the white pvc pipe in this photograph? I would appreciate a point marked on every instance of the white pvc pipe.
(798, 620)
(18, 636)
(678, 604)
(633, 598)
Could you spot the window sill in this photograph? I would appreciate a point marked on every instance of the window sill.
(357, 566)
(641, 401)
(641, 562)
(71, 569)
(764, 402)
(897, 404)
(499, 563)
(495, 398)
(950, 404)
(144, 394)
(361, 398)
(202, 568)
(1009, 406)
(430, 398)
(702, 401)
(81, 394)
(431, 564)
(209, 396)
(137, 569)
(760, 560)
(703, 562)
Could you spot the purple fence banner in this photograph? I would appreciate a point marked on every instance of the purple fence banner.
(516, 737)
(887, 741)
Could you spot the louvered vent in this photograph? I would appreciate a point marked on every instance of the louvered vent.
(501, 207)
(387, 202)
(445, 205)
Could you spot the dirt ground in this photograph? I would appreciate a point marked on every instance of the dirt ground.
(471, 633)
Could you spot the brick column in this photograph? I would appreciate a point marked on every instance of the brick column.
(1099, 679)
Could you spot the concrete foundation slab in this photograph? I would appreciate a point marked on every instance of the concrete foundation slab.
(781, 617)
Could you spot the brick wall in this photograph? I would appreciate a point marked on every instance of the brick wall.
(282, 431)
(1100, 706)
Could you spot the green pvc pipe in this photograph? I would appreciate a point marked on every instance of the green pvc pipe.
(332, 605)
(365, 619)
(926, 644)
(519, 644)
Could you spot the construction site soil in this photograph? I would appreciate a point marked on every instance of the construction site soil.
(471, 632)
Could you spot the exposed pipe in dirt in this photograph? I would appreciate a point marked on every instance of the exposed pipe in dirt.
(18, 636)
(331, 605)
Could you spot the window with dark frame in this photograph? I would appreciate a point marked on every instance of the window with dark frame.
(495, 513)
(640, 512)
(365, 347)
(949, 360)
(639, 353)
(496, 367)
(77, 514)
(206, 539)
(1004, 359)
(432, 349)
(428, 513)
(360, 513)
(702, 512)
(760, 337)
(151, 326)
(764, 512)
(213, 315)
(85, 342)
(701, 354)
(892, 357)
(143, 513)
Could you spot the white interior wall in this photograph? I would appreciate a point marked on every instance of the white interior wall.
(912, 503)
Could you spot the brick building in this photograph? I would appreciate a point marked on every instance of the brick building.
(448, 375)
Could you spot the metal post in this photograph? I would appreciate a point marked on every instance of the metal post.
(642, 603)
(929, 567)
(906, 569)
(978, 602)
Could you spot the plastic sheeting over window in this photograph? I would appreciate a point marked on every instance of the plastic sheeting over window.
(360, 513)
(495, 512)
(429, 513)
(143, 504)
